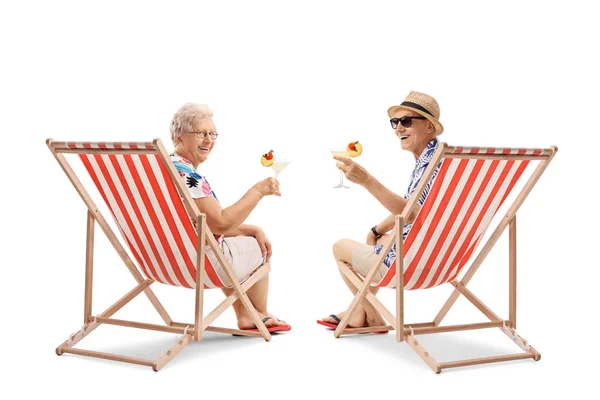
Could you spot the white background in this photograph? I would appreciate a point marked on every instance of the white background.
(298, 78)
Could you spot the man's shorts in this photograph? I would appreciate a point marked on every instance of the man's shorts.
(364, 258)
(243, 255)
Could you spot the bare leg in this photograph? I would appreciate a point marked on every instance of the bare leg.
(364, 313)
(257, 295)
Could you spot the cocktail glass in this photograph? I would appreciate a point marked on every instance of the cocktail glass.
(338, 151)
(279, 165)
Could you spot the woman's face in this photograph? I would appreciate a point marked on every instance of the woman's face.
(415, 137)
(198, 144)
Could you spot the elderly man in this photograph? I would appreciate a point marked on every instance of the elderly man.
(416, 124)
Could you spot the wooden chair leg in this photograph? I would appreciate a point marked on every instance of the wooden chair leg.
(89, 267)
(420, 350)
(172, 352)
(362, 289)
(512, 274)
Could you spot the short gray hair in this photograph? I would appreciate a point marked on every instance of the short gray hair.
(187, 117)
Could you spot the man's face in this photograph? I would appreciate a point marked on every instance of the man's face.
(417, 135)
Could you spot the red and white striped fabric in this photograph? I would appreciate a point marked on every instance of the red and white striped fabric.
(493, 150)
(458, 210)
(149, 212)
(104, 145)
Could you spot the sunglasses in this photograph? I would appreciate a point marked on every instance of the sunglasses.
(404, 121)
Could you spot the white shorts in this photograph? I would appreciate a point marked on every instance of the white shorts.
(243, 255)
(364, 258)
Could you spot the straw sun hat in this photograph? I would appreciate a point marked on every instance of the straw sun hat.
(421, 104)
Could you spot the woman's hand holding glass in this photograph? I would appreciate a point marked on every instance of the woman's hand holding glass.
(268, 187)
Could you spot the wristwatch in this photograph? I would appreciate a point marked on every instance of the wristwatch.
(377, 234)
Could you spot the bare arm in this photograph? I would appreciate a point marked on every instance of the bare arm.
(386, 225)
(390, 200)
(358, 174)
(261, 238)
(222, 221)
(242, 230)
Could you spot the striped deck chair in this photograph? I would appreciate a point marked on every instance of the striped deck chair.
(472, 183)
(166, 234)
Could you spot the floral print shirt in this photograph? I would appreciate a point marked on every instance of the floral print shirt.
(420, 167)
(197, 185)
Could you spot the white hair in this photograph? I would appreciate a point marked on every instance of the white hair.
(187, 118)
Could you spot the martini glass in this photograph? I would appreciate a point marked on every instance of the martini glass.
(279, 165)
(338, 151)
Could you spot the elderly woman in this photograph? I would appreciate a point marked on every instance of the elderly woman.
(415, 123)
(246, 247)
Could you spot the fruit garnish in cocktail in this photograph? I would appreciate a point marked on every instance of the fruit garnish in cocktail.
(354, 149)
(267, 159)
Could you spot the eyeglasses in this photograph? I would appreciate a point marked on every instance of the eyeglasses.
(404, 121)
(204, 134)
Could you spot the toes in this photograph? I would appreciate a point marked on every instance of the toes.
(274, 321)
(332, 320)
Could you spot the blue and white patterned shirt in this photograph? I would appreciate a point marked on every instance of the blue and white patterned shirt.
(420, 167)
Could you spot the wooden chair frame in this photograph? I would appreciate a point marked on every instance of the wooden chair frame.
(190, 331)
(409, 331)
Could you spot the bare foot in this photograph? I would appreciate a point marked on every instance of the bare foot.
(246, 322)
(355, 321)
(281, 322)
(375, 320)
